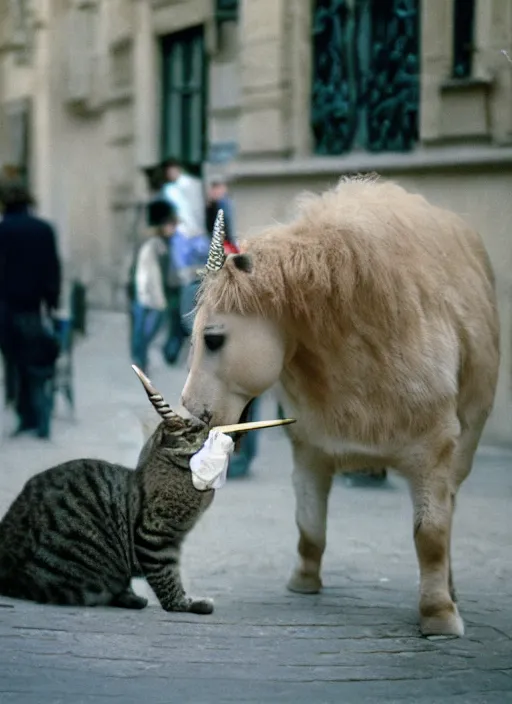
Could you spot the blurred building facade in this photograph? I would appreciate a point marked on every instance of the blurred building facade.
(283, 95)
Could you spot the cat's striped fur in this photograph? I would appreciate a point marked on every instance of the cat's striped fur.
(78, 532)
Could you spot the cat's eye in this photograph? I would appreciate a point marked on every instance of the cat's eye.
(214, 341)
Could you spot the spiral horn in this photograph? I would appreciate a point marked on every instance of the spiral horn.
(161, 406)
(216, 255)
(253, 425)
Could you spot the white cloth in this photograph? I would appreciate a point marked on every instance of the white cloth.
(209, 466)
(186, 194)
(149, 284)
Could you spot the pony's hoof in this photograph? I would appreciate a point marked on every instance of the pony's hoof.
(304, 583)
(445, 622)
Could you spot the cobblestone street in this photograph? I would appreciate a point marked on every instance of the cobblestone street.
(358, 641)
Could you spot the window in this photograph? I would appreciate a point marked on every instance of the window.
(463, 23)
(226, 10)
(121, 65)
(16, 130)
(83, 88)
(22, 29)
(184, 103)
(365, 91)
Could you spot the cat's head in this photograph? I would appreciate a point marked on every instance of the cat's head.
(173, 443)
(164, 463)
(165, 474)
(177, 439)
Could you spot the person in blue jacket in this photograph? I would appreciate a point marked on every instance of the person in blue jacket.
(187, 255)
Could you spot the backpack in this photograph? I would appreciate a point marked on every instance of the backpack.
(35, 341)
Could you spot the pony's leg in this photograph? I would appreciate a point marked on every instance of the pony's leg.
(433, 494)
(312, 481)
(463, 463)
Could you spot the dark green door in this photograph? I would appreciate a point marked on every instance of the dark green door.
(184, 98)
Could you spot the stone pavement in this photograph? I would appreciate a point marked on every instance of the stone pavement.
(356, 642)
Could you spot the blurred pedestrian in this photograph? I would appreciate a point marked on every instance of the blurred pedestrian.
(155, 180)
(155, 280)
(185, 193)
(188, 256)
(218, 198)
(142, 221)
(30, 282)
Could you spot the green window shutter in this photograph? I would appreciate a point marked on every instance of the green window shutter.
(226, 10)
(463, 38)
(365, 92)
(184, 98)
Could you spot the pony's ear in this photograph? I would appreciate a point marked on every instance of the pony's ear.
(243, 262)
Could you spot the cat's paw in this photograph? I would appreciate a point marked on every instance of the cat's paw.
(201, 606)
(129, 600)
(192, 606)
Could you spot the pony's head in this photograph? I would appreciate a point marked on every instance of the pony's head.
(283, 308)
(255, 311)
(237, 352)
(238, 347)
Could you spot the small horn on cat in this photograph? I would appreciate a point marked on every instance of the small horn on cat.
(156, 398)
(253, 425)
(217, 255)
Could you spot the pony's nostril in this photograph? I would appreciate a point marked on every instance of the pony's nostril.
(206, 416)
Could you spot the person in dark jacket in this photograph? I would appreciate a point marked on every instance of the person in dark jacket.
(219, 199)
(30, 281)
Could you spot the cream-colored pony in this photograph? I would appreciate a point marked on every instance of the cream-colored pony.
(374, 312)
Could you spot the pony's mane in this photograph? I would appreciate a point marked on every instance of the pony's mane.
(340, 258)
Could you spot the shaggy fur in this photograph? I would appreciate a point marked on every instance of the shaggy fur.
(347, 275)
(375, 313)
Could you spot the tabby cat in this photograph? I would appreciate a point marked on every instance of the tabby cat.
(78, 532)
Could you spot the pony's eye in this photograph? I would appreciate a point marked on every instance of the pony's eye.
(214, 341)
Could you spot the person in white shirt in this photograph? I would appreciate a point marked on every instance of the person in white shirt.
(152, 282)
(185, 192)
